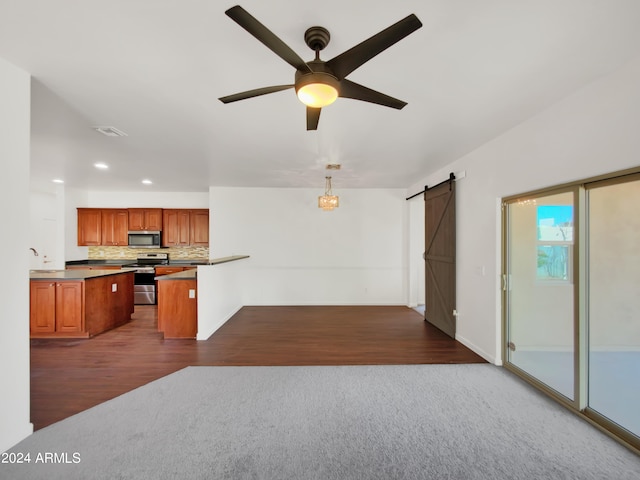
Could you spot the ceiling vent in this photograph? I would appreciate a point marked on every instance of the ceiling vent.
(333, 166)
(110, 131)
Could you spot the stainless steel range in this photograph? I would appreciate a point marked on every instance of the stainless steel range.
(144, 285)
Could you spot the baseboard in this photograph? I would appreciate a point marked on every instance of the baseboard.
(225, 319)
(478, 350)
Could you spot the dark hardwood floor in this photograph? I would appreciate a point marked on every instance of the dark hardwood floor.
(69, 376)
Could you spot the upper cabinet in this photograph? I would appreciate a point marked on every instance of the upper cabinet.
(109, 226)
(115, 224)
(184, 227)
(90, 226)
(199, 225)
(102, 226)
(145, 219)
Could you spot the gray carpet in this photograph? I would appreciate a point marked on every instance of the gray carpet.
(352, 422)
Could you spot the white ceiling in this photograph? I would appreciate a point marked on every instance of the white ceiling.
(155, 69)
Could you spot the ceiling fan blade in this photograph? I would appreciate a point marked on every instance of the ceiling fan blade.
(348, 61)
(313, 117)
(253, 93)
(349, 89)
(267, 37)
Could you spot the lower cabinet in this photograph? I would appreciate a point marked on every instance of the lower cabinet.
(177, 308)
(56, 307)
(80, 308)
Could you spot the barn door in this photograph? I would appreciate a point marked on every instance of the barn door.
(440, 256)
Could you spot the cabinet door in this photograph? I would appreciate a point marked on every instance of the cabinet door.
(153, 219)
(42, 307)
(176, 227)
(89, 226)
(68, 309)
(145, 219)
(115, 225)
(199, 234)
(136, 219)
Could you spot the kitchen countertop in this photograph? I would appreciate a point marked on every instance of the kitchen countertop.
(71, 274)
(191, 274)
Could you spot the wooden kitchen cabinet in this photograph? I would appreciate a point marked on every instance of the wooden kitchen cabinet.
(56, 307)
(102, 226)
(176, 227)
(69, 307)
(167, 270)
(199, 224)
(90, 226)
(80, 308)
(43, 307)
(178, 308)
(184, 227)
(145, 219)
(115, 226)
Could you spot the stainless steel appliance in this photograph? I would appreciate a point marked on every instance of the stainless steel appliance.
(144, 285)
(145, 239)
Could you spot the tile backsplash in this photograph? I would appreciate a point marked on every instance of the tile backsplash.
(126, 253)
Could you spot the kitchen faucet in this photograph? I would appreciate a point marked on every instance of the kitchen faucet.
(35, 252)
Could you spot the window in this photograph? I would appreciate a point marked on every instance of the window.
(555, 243)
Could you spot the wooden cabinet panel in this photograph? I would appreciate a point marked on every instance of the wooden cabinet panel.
(199, 234)
(145, 219)
(89, 226)
(185, 227)
(176, 227)
(167, 270)
(177, 311)
(115, 225)
(42, 307)
(69, 303)
(80, 308)
(109, 226)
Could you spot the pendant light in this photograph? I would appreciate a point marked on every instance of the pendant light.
(328, 201)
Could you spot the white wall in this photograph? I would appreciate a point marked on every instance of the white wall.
(221, 293)
(14, 282)
(302, 255)
(594, 131)
(416, 263)
(71, 199)
(151, 199)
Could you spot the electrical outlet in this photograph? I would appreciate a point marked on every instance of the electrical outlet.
(192, 293)
(114, 287)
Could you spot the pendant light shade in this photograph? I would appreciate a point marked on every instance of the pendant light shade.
(328, 201)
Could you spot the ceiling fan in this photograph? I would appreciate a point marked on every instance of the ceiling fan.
(318, 83)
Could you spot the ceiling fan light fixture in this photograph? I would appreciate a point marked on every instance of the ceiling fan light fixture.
(317, 89)
(317, 95)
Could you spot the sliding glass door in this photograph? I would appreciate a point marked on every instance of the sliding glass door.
(614, 300)
(571, 296)
(539, 285)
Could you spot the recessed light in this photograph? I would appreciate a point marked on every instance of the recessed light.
(101, 166)
(57, 180)
(146, 181)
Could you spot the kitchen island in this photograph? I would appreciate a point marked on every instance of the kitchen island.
(177, 298)
(79, 303)
(177, 304)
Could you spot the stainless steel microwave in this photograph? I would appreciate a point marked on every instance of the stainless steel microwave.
(145, 239)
